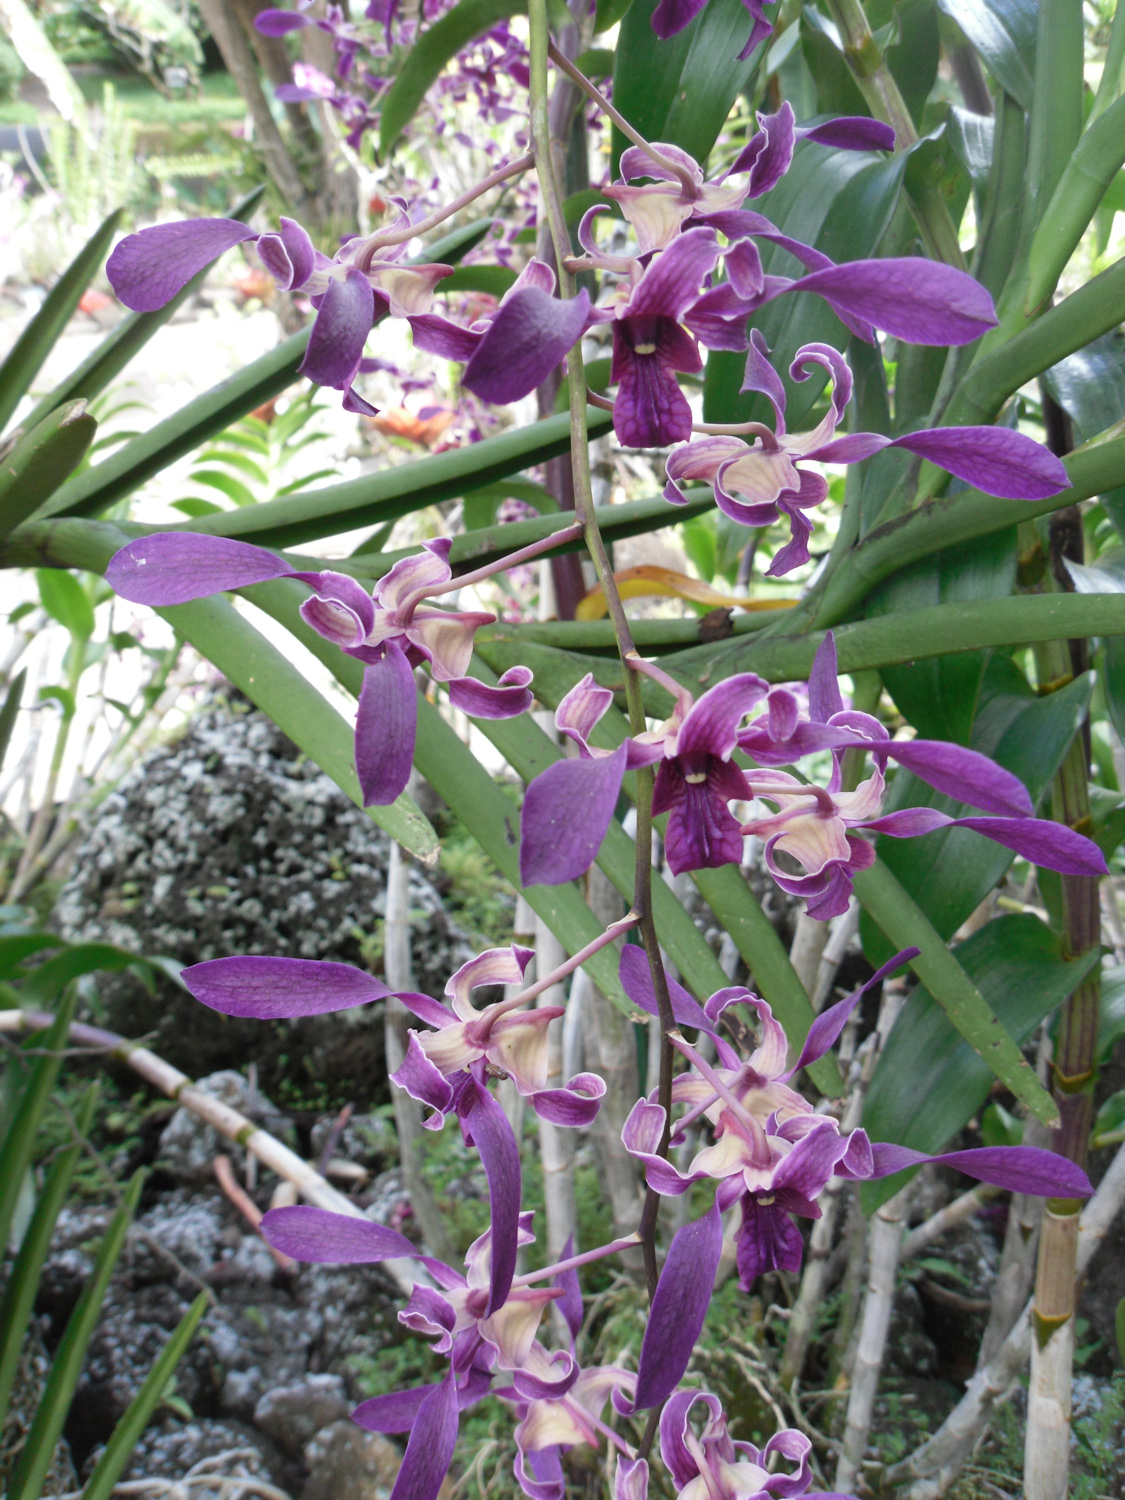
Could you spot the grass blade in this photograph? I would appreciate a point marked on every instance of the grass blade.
(126, 1434)
(15, 1155)
(23, 1284)
(42, 333)
(12, 701)
(42, 461)
(27, 1481)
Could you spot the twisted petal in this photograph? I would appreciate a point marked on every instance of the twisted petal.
(424, 1081)
(437, 335)
(314, 1234)
(289, 255)
(535, 1383)
(385, 727)
(445, 638)
(341, 609)
(539, 1472)
(577, 1104)
(674, 1426)
(1052, 846)
(270, 989)
(1022, 1169)
(683, 1295)
(636, 162)
(507, 700)
(964, 774)
(570, 1303)
(829, 1024)
(398, 1411)
(409, 290)
(773, 160)
(641, 1136)
(147, 269)
(581, 709)
(697, 460)
(487, 1124)
(636, 981)
(919, 300)
(630, 1480)
(340, 331)
(493, 966)
(430, 1449)
(413, 577)
(566, 812)
(526, 339)
(171, 567)
(655, 212)
(761, 376)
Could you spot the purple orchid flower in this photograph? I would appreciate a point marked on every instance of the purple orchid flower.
(820, 827)
(755, 484)
(772, 1154)
(657, 210)
(387, 629)
(551, 1424)
(364, 281)
(504, 1036)
(568, 807)
(711, 1466)
(511, 351)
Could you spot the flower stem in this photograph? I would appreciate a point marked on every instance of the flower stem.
(613, 931)
(540, 42)
(577, 1260)
(513, 560)
(680, 172)
(383, 238)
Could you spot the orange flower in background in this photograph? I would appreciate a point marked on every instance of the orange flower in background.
(424, 428)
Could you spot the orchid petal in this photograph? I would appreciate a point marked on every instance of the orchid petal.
(1022, 1169)
(711, 724)
(509, 698)
(328, 1239)
(993, 459)
(824, 684)
(774, 159)
(582, 708)
(851, 133)
(679, 1306)
(415, 576)
(270, 989)
(430, 1449)
(343, 321)
(398, 1411)
(636, 981)
(768, 1240)
(172, 567)
(570, 1303)
(675, 1423)
(566, 813)
(437, 335)
(1052, 846)
(147, 269)
(671, 282)
(546, 1480)
(921, 301)
(671, 16)
(964, 774)
(341, 609)
(761, 376)
(630, 1480)
(575, 1105)
(526, 339)
(492, 1135)
(494, 966)
(422, 1080)
(829, 1024)
(280, 22)
(385, 727)
(642, 1135)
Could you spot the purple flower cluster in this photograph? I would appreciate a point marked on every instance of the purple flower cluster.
(771, 1154)
(819, 830)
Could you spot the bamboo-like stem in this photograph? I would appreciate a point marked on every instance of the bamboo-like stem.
(877, 85)
(539, 43)
(886, 1248)
(945, 1219)
(556, 1143)
(932, 1468)
(226, 1120)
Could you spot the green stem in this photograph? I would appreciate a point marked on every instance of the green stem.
(877, 85)
(584, 509)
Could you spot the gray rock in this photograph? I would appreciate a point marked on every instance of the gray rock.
(292, 1415)
(346, 1463)
(230, 842)
(173, 1449)
(188, 1146)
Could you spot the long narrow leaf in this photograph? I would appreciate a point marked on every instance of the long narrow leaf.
(230, 642)
(15, 1153)
(12, 700)
(130, 336)
(23, 1283)
(27, 1481)
(906, 925)
(42, 461)
(41, 334)
(117, 1452)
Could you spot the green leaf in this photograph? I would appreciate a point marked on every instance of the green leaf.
(949, 873)
(226, 484)
(66, 601)
(23, 1283)
(836, 90)
(681, 90)
(126, 1435)
(1090, 385)
(913, 55)
(495, 280)
(26, 1483)
(1003, 33)
(609, 13)
(42, 333)
(12, 700)
(195, 508)
(18, 1143)
(939, 696)
(904, 924)
(48, 979)
(390, 493)
(929, 1082)
(596, 62)
(479, 510)
(434, 48)
(39, 464)
(271, 681)
(1111, 1017)
(130, 336)
(999, 1128)
(1109, 1126)
(233, 458)
(1119, 1329)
